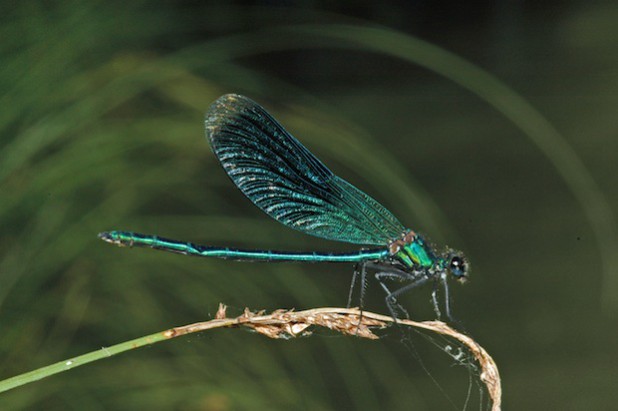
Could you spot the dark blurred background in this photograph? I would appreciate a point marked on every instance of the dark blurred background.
(489, 127)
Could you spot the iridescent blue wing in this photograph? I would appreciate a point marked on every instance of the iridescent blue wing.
(289, 183)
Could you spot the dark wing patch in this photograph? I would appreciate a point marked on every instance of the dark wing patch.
(280, 176)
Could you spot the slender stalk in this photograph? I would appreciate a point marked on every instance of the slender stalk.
(281, 324)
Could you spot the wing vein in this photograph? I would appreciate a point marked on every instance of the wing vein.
(280, 176)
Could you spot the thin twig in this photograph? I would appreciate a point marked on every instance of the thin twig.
(283, 324)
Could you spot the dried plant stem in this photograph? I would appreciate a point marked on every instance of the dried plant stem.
(283, 324)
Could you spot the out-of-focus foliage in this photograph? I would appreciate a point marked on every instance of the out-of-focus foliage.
(101, 128)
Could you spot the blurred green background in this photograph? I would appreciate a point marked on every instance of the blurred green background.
(492, 129)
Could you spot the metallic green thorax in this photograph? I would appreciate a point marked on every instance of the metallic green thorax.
(416, 253)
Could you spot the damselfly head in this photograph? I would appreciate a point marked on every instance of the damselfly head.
(458, 266)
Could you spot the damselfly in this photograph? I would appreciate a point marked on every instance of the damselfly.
(280, 176)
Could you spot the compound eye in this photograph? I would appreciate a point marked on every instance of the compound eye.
(458, 266)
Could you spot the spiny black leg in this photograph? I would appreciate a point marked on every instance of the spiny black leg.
(391, 300)
(363, 286)
(447, 305)
(434, 299)
(447, 299)
(395, 308)
(353, 285)
(415, 283)
(396, 304)
(360, 270)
